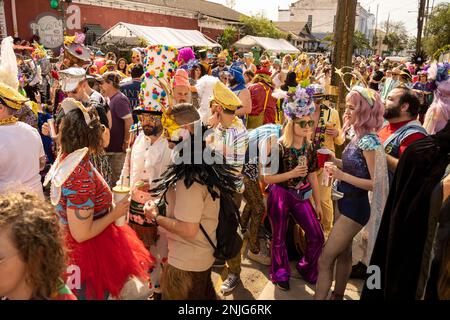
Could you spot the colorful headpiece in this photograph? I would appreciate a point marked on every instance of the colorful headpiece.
(298, 103)
(225, 97)
(317, 90)
(160, 64)
(185, 55)
(74, 47)
(11, 97)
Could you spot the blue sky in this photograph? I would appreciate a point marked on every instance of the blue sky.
(398, 9)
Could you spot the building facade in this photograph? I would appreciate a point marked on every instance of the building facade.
(25, 18)
(321, 16)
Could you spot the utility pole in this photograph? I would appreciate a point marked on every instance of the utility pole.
(343, 51)
(426, 17)
(420, 24)
(375, 36)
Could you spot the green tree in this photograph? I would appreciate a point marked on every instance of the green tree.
(228, 37)
(412, 42)
(260, 26)
(396, 37)
(437, 29)
(360, 41)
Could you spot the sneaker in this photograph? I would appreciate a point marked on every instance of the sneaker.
(230, 283)
(219, 263)
(283, 285)
(259, 257)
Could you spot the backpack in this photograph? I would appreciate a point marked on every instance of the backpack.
(229, 242)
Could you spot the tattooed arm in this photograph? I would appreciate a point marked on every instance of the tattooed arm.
(82, 225)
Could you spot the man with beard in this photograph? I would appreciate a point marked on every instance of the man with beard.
(150, 157)
(221, 65)
(401, 109)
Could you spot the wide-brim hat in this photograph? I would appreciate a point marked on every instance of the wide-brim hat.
(78, 51)
(225, 97)
(11, 97)
(70, 78)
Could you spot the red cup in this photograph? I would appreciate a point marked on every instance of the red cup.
(323, 155)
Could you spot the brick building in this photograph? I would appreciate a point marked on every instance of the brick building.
(23, 18)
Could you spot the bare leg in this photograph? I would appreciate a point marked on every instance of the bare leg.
(343, 270)
(339, 240)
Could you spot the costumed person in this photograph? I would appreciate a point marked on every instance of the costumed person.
(263, 104)
(236, 83)
(424, 90)
(221, 65)
(303, 71)
(259, 141)
(230, 138)
(410, 237)
(75, 53)
(185, 56)
(182, 92)
(363, 168)
(248, 62)
(203, 55)
(390, 83)
(22, 154)
(438, 113)
(293, 181)
(197, 189)
(136, 58)
(99, 60)
(150, 154)
(113, 261)
(327, 134)
(401, 109)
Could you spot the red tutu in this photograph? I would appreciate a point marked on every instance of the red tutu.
(108, 260)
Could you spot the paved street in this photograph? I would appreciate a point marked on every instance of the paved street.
(256, 285)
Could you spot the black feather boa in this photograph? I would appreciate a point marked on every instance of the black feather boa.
(219, 177)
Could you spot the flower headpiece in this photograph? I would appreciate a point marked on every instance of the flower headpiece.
(298, 103)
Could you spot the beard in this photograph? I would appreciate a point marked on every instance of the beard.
(392, 113)
(151, 131)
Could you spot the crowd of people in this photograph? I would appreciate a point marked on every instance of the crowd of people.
(134, 179)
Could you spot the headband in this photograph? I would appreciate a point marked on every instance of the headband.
(70, 104)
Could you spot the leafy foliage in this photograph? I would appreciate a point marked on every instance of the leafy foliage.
(228, 37)
(438, 29)
(260, 26)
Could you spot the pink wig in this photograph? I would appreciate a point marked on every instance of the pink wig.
(185, 55)
(368, 118)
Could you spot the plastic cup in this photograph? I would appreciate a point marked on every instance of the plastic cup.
(120, 192)
(323, 155)
(51, 124)
(327, 179)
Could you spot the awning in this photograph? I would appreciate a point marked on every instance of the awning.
(132, 34)
(274, 45)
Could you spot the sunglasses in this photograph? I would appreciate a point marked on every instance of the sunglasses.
(303, 123)
(149, 117)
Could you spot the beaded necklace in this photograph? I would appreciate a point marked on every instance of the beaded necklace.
(7, 121)
(319, 136)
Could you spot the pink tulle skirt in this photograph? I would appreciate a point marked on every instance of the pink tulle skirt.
(108, 261)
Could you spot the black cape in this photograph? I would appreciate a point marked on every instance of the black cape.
(400, 242)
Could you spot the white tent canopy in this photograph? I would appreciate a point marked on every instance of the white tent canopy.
(131, 34)
(274, 45)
